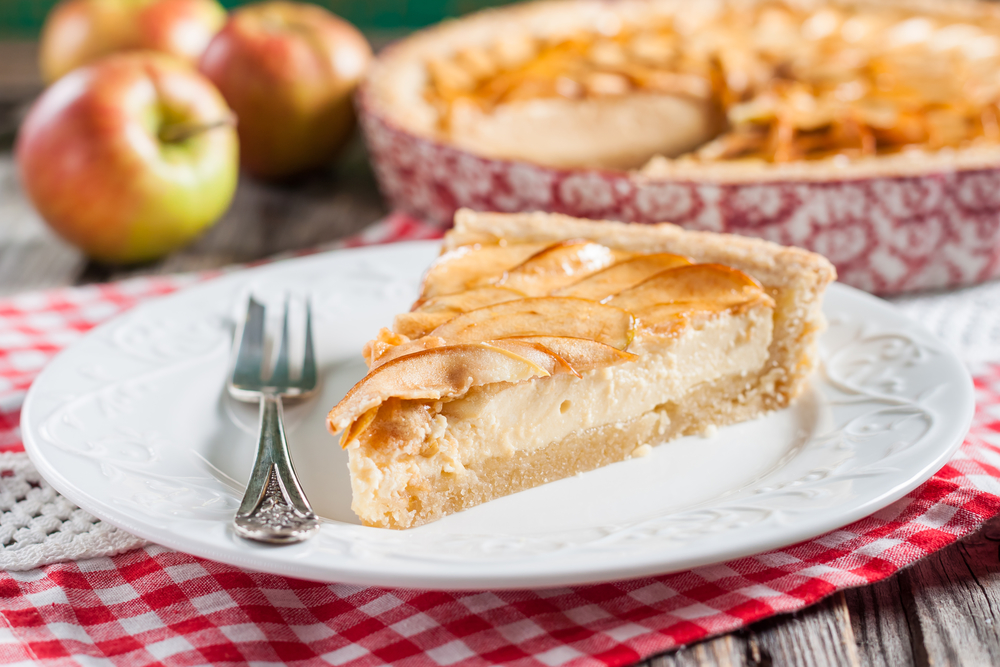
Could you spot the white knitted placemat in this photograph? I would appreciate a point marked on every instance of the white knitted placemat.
(38, 526)
(967, 319)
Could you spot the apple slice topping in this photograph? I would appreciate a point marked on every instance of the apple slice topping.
(531, 351)
(473, 266)
(435, 374)
(390, 352)
(470, 300)
(621, 276)
(581, 354)
(419, 323)
(554, 316)
(536, 353)
(558, 265)
(665, 318)
(434, 312)
(711, 283)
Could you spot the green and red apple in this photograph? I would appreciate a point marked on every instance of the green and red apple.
(77, 32)
(130, 157)
(288, 70)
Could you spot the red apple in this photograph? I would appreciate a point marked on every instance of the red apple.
(77, 32)
(130, 157)
(288, 71)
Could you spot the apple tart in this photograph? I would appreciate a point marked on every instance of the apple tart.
(611, 85)
(542, 346)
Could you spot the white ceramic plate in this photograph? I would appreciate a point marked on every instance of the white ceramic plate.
(133, 424)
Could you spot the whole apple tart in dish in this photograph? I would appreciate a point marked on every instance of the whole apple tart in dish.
(866, 131)
(543, 345)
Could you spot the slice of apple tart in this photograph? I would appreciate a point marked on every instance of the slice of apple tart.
(542, 346)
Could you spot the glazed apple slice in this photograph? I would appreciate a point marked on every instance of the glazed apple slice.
(621, 276)
(418, 324)
(441, 372)
(536, 353)
(387, 353)
(469, 300)
(665, 318)
(553, 316)
(712, 283)
(581, 354)
(434, 312)
(558, 265)
(532, 351)
(461, 302)
(473, 266)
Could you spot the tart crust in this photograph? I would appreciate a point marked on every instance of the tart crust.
(415, 461)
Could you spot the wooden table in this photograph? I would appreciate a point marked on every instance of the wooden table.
(945, 610)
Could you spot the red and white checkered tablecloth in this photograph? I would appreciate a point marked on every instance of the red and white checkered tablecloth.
(155, 606)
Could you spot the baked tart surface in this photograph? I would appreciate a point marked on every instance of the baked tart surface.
(611, 85)
(542, 346)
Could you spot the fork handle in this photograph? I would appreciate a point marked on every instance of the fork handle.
(274, 508)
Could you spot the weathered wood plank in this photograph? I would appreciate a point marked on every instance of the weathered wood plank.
(725, 651)
(37, 264)
(881, 625)
(19, 75)
(954, 598)
(819, 636)
(31, 257)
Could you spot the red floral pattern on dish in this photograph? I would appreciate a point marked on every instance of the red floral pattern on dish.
(885, 234)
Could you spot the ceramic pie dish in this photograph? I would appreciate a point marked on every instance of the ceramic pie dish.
(888, 164)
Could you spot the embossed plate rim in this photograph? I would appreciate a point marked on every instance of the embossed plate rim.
(354, 554)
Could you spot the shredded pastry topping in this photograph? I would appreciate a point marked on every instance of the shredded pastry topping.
(788, 84)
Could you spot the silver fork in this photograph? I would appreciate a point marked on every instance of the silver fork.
(274, 508)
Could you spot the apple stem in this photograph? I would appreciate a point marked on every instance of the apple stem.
(184, 131)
